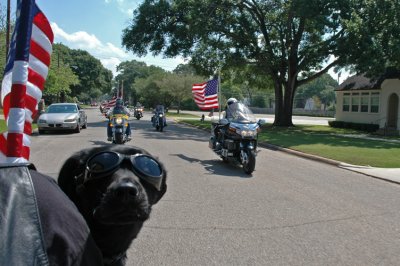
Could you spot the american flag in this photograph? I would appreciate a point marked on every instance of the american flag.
(25, 74)
(111, 103)
(206, 94)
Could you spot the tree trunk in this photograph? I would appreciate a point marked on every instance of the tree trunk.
(284, 96)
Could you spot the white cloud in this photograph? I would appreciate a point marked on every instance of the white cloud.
(108, 53)
(125, 6)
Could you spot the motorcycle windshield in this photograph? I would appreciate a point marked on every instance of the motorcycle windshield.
(119, 112)
(240, 113)
(160, 109)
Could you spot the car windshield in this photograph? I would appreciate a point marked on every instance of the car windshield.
(240, 113)
(61, 109)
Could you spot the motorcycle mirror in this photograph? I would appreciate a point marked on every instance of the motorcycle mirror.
(262, 121)
(224, 121)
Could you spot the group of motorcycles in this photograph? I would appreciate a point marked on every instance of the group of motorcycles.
(234, 139)
(118, 122)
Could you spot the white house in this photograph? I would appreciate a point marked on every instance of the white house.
(362, 100)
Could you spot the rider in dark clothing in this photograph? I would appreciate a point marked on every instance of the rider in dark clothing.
(118, 109)
(227, 115)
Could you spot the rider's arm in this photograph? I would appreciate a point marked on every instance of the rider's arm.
(126, 110)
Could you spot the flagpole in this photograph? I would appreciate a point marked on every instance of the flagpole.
(219, 93)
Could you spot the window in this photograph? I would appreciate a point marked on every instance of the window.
(364, 102)
(355, 102)
(346, 102)
(374, 102)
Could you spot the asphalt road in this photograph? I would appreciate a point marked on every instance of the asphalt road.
(291, 211)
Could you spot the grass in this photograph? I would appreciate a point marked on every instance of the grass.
(3, 126)
(327, 142)
(181, 115)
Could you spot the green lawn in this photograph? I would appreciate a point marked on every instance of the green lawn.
(324, 141)
(3, 126)
(174, 114)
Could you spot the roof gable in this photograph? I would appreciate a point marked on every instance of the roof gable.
(361, 82)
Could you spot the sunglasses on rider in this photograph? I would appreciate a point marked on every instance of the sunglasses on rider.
(107, 162)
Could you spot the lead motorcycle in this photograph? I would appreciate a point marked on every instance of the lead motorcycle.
(235, 138)
(118, 124)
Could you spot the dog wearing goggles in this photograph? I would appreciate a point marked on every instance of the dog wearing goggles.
(114, 187)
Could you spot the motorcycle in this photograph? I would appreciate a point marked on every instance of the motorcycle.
(236, 139)
(138, 112)
(118, 124)
(159, 119)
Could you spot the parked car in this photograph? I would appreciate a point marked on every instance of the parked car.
(62, 116)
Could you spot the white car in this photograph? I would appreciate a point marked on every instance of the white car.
(62, 116)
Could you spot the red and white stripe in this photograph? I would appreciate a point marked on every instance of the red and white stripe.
(202, 101)
(22, 90)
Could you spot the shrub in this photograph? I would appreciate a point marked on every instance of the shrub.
(356, 126)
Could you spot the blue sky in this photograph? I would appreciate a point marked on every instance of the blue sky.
(95, 26)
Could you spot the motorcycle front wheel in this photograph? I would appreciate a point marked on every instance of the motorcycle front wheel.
(250, 164)
(161, 123)
(119, 138)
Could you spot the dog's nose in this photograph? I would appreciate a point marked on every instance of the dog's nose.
(126, 190)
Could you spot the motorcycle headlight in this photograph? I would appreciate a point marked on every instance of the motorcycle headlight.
(118, 120)
(70, 120)
(247, 133)
(160, 115)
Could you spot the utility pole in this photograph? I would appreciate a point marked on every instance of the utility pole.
(8, 26)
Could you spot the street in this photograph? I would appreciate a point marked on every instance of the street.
(291, 211)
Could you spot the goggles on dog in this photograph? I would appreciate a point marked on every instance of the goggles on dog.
(105, 163)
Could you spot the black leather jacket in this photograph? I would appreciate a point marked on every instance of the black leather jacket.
(39, 225)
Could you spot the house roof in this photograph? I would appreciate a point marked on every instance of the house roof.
(361, 82)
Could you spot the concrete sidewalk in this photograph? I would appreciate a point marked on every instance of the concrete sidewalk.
(387, 174)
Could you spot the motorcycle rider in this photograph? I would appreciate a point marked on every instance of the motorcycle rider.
(226, 114)
(118, 109)
(159, 109)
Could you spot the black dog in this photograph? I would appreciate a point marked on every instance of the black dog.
(114, 188)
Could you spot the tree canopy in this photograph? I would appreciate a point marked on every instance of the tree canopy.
(93, 79)
(288, 42)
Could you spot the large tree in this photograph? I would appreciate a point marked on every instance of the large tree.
(290, 42)
(129, 72)
(94, 78)
(374, 31)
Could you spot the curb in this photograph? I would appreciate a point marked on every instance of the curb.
(278, 148)
(332, 162)
(300, 154)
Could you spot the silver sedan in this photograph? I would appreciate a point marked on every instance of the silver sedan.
(62, 116)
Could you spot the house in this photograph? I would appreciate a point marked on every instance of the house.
(363, 100)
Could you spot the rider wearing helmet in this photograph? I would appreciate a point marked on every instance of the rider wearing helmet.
(227, 115)
(119, 108)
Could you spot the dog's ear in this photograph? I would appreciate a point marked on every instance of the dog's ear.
(69, 175)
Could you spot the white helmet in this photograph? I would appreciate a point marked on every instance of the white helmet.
(231, 100)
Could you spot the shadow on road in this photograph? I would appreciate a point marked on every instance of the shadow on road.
(217, 167)
(172, 132)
